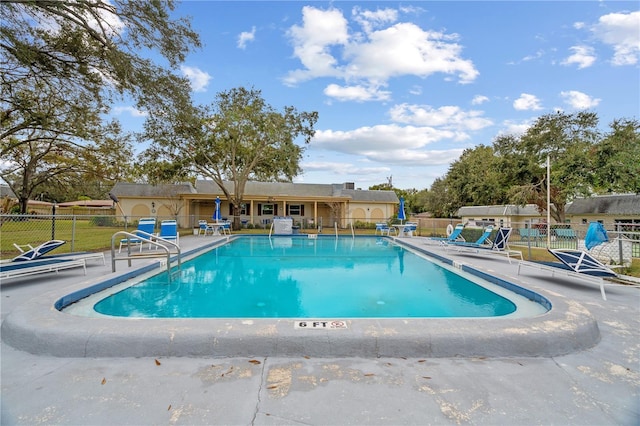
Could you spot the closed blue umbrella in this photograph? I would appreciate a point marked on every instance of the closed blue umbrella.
(401, 215)
(216, 213)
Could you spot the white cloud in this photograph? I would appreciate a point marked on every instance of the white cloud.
(134, 112)
(342, 168)
(539, 54)
(527, 102)
(312, 42)
(446, 117)
(479, 99)
(246, 37)
(416, 90)
(356, 93)
(579, 100)
(389, 144)
(382, 138)
(620, 30)
(198, 79)
(326, 49)
(582, 55)
(374, 19)
(511, 127)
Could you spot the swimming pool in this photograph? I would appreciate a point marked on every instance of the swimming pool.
(298, 277)
(62, 322)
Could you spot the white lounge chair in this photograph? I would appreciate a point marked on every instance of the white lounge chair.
(499, 247)
(39, 266)
(481, 242)
(35, 253)
(38, 251)
(577, 264)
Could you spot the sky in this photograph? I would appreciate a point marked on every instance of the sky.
(403, 88)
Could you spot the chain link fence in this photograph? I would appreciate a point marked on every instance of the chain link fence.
(94, 232)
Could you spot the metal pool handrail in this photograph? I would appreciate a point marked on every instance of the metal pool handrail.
(151, 239)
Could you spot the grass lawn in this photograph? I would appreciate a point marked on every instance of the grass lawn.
(86, 236)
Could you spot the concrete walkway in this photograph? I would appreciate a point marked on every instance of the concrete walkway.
(595, 386)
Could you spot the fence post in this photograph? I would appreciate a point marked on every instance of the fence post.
(53, 221)
(529, 239)
(73, 232)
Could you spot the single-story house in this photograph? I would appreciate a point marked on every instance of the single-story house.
(309, 205)
(509, 215)
(621, 209)
(607, 209)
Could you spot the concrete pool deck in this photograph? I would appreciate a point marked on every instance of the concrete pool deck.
(578, 382)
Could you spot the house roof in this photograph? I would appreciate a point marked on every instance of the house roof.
(88, 203)
(143, 190)
(503, 210)
(624, 204)
(252, 188)
(5, 191)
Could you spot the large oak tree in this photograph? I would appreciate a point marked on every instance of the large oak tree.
(238, 138)
(64, 63)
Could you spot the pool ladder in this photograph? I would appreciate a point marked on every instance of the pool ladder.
(145, 238)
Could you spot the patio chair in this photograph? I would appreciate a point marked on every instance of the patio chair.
(168, 232)
(455, 236)
(204, 228)
(146, 229)
(383, 229)
(225, 228)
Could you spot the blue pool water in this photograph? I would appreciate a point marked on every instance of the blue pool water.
(295, 277)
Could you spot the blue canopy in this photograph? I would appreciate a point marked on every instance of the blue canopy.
(401, 215)
(596, 234)
(216, 213)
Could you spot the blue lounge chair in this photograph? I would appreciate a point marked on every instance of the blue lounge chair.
(39, 251)
(145, 231)
(479, 243)
(579, 263)
(38, 266)
(499, 247)
(168, 232)
(455, 236)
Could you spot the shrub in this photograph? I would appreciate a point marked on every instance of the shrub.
(103, 221)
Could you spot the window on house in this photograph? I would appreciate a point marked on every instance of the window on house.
(295, 210)
(267, 209)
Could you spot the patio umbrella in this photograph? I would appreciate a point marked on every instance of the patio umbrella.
(216, 213)
(401, 215)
